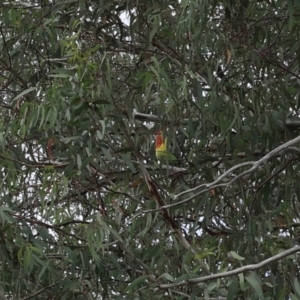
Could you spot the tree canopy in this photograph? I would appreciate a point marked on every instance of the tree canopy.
(87, 211)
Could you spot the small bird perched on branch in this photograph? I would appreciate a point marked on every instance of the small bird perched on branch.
(161, 150)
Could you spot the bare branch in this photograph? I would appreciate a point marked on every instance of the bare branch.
(255, 165)
(233, 272)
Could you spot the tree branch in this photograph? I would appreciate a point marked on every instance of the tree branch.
(206, 187)
(233, 272)
(255, 165)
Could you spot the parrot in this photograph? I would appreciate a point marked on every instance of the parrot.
(161, 151)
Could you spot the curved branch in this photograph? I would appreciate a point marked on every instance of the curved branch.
(254, 164)
(233, 272)
(206, 187)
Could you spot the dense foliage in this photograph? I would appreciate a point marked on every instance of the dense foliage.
(87, 212)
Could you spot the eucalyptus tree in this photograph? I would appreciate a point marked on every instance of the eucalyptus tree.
(87, 211)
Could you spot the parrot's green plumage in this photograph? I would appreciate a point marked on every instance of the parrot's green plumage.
(161, 150)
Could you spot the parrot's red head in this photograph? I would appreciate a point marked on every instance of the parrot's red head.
(158, 138)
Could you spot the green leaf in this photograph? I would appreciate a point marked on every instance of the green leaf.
(236, 256)
(297, 286)
(253, 280)
(24, 93)
(79, 162)
(69, 139)
(242, 281)
(136, 283)
(167, 276)
(4, 214)
(232, 290)
(294, 297)
(128, 162)
(59, 75)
